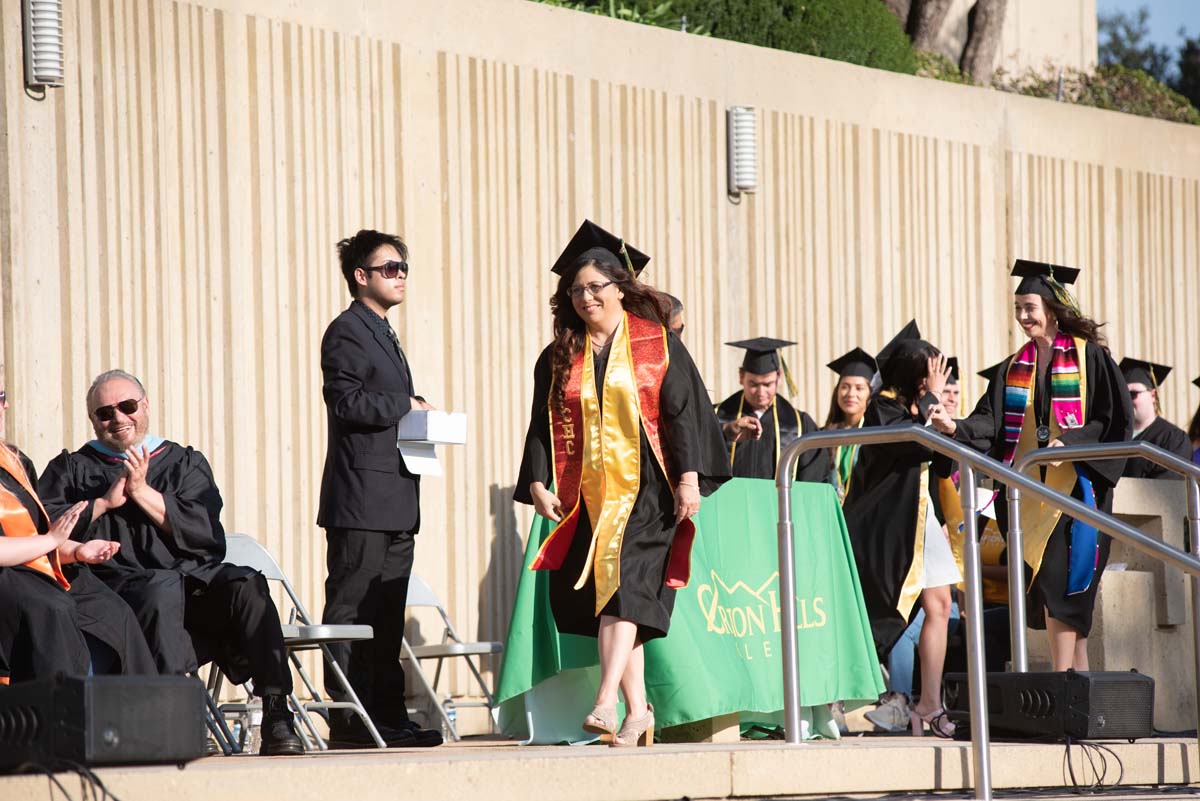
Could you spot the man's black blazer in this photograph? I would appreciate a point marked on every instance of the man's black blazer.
(367, 389)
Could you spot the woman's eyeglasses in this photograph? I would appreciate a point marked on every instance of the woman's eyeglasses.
(390, 269)
(127, 407)
(593, 289)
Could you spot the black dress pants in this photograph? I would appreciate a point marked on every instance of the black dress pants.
(368, 585)
(228, 618)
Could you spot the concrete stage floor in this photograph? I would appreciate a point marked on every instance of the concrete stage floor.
(492, 769)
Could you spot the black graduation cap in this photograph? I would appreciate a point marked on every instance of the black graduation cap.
(1045, 279)
(590, 236)
(952, 363)
(855, 363)
(762, 354)
(909, 332)
(1137, 371)
(1196, 381)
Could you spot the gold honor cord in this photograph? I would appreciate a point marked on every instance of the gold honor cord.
(914, 579)
(1038, 519)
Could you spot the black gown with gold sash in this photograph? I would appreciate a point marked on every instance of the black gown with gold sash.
(1108, 416)
(692, 442)
(757, 458)
(885, 510)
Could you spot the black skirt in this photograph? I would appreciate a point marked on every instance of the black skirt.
(642, 596)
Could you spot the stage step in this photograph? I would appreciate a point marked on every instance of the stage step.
(500, 771)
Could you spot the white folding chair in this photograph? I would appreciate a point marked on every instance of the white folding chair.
(451, 646)
(302, 634)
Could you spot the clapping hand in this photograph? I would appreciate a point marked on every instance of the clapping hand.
(137, 462)
(96, 551)
(60, 530)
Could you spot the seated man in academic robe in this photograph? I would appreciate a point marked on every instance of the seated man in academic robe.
(159, 500)
(1143, 379)
(758, 423)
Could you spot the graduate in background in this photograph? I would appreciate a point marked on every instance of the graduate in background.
(904, 559)
(1143, 379)
(1061, 388)
(847, 407)
(758, 424)
(1194, 430)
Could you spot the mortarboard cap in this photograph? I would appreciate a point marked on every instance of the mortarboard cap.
(990, 372)
(952, 363)
(855, 363)
(591, 236)
(762, 354)
(1196, 381)
(1137, 371)
(1045, 279)
(908, 333)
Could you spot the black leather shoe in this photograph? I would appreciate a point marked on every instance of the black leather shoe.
(356, 736)
(278, 729)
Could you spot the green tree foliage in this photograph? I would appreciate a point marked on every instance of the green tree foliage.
(1113, 87)
(1125, 41)
(1187, 82)
(859, 31)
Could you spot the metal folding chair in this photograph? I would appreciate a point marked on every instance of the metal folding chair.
(451, 646)
(302, 634)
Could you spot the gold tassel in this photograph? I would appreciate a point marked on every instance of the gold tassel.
(787, 376)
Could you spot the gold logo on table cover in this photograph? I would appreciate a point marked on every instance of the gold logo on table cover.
(752, 614)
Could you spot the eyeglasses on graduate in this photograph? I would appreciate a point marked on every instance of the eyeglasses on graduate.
(390, 269)
(593, 289)
(127, 407)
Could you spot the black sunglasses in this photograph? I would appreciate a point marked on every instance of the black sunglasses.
(389, 269)
(127, 407)
(1133, 393)
(3, 397)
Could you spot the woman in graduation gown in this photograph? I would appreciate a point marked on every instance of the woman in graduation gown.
(847, 409)
(1194, 431)
(48, 624)
(1061, 388)
(902, 553)
(622, 445)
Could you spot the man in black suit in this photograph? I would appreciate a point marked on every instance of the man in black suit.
(369, 499)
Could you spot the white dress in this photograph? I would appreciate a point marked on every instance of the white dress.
(940, 568)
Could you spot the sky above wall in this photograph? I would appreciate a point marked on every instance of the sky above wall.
(1166, 17)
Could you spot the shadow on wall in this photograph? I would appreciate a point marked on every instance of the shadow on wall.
(498, 587)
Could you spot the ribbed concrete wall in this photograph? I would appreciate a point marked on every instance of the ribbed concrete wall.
(173, 210)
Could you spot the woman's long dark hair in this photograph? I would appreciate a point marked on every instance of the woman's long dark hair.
(836, 417)
(1074, 324)
(1194, 428)
(903, 370)
(570, 332)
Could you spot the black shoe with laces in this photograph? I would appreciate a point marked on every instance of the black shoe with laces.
(278, 729)
(405, 735)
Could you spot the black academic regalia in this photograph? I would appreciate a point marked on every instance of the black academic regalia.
(881, 508)
(1170, 438)
(192, 607)
(1109, 415)
(757, 458)
(691, 442)
(44, 629)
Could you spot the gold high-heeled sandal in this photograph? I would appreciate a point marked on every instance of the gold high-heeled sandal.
(636, 732)
(602, 720)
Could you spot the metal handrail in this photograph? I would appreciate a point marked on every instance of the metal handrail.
(1094, 453)
(969, 461)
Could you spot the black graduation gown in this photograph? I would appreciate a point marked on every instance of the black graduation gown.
(758, 459)
(42, 626)
(881, 509)
(691, 442)
(157, 573)
(1109, 416)
(1170, 438)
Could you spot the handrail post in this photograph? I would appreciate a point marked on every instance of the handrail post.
(787, 595)
(1193, 489)
(976, 662)
(1018, 637)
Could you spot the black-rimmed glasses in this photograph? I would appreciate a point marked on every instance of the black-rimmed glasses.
(390, 269)
(593, 289)
(127, 407)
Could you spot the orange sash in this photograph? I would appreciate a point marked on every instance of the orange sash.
(647, 349)
(17, 522)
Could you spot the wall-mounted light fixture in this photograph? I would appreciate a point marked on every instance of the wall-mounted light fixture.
(741, 124)
(43, 34)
